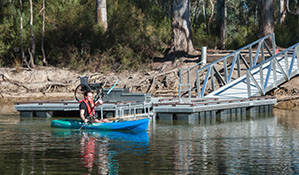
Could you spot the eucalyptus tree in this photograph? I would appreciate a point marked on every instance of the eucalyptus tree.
(102, 13)
(282, 11)
(221, 22)
(24, 58)
(181, 27)
(266, 20)
(43, 33)
(32, 52)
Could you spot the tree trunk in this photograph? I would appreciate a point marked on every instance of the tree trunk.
(204, 13)
(211, 17)
(282, 11)
(256, 12)
(43, 32)
(102, 13)
(181, 27)
(266, 22)
(24, 59)
(221, 22)
(32, 52)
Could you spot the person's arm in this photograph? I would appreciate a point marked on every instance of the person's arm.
(82, 116)
(99, 102)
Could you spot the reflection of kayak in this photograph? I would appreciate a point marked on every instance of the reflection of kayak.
(125, 125)
(124, 136)
(127, 136)
(118, 142)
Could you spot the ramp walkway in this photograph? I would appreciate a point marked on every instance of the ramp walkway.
(263, 77)
(227, 78)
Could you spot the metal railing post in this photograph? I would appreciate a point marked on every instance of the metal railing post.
(273, 44)
(116, 112)
(198, 84)
(250, 56)
(225, 70)
(248, 83)
(212, 78)
(204, 55)
(189, 86)
(274, 72)
(262, 49)
(238, 65)
(102, 115)
(180, 73)
(262, 77)
(286, 59)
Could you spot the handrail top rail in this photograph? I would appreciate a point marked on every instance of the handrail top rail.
(237, 51)
(271, 58)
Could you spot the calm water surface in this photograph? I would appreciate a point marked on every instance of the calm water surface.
(263, 144)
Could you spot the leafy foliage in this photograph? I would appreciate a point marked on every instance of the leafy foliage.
(137, 31)
(287, 34)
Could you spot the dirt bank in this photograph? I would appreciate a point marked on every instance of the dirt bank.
(159, 78)
(41, 83)
(287, 95)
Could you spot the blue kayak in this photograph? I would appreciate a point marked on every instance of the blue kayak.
(136, 125)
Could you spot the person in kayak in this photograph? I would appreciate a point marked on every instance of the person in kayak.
(87, 112)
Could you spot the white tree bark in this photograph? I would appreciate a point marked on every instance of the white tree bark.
(43, 32)
(102, 13)
(24, 59)
(32, 52)
(181, 27)
(282, 11)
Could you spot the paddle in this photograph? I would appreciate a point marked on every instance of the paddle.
(88, 118)
(105, 96)
(112, 87)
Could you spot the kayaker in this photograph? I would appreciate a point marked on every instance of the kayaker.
(87, 111)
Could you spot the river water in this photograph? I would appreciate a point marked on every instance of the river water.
(263, 144)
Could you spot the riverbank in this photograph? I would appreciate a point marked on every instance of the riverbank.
(44, 83)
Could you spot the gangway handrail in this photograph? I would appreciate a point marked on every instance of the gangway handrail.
(239, 50)
(211, 72)
(287, 71)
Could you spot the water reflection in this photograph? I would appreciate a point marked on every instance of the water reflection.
(9, 119)
(287, 118)
(252, 144)
(100, 149)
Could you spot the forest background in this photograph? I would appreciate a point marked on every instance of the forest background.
(67, 33)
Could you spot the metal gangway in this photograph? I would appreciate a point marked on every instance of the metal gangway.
(227, 77)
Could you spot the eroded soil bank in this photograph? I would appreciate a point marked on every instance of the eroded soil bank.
(58, 83)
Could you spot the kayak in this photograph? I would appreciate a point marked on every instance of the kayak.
(135, 125)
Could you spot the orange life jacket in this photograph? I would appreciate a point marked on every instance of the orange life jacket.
(90, 109)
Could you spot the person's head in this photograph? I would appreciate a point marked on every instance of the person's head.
(88, 95)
